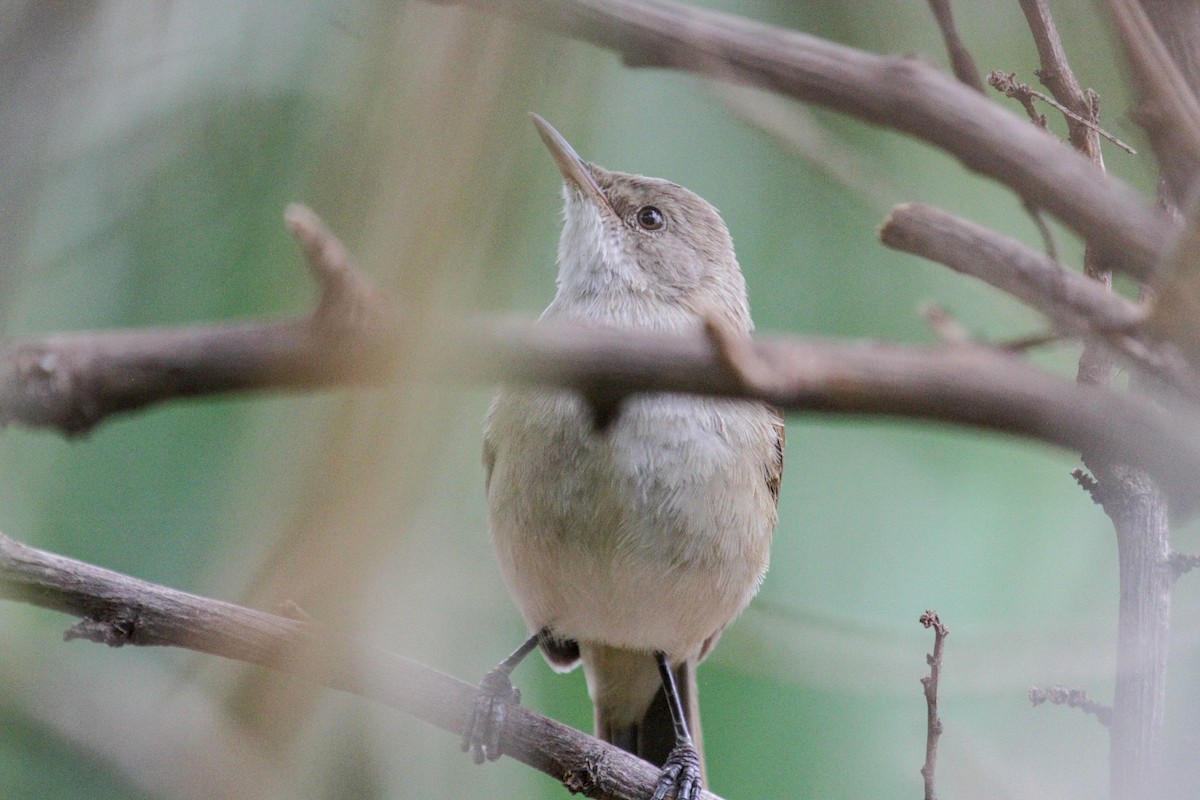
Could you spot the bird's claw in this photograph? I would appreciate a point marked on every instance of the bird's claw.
(680, 776)
(482, 735)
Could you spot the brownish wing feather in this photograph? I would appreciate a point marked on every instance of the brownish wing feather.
(775, 466)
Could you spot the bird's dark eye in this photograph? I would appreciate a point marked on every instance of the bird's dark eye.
(650, 218)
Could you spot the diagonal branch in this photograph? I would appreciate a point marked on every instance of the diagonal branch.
(1072, 301)
(905, 94)
(1168, 110)
(120, 610)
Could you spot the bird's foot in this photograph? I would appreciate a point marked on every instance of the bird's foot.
(680, 776)
(482, 735)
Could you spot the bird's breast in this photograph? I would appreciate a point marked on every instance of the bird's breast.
(665, 514)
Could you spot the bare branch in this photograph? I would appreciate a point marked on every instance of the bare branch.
(933, 723)
(1071, 300)
(72, 382)
(1039, 221)
(1074, 303)
(98, 374)
(119, 610)
(1007, 82)
(1072, 698)
(1056, 74)
(901, 93)
(968, 385)
(1168, 110)
(960, 57)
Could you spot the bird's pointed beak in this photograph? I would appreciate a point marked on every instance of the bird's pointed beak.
(574, 171)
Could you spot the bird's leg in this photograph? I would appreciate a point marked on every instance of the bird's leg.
(482, 734)
(681, 772)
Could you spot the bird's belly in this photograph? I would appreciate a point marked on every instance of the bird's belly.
(649, 536)
(587, 596)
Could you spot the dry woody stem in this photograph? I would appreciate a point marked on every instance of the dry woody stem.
(119, 610)
(930, 683)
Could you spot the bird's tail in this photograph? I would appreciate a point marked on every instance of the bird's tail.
(631, 705)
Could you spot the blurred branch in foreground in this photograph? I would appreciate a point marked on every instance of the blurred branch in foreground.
(74, 381)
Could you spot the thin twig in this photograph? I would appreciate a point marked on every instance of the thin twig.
(1023, 344)
(1056, 75)
(960, 57)
(1007, 83)
(933, 730)
(1043, 228)
(1072, 698)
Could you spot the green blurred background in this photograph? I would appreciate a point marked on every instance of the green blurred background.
(148, 153)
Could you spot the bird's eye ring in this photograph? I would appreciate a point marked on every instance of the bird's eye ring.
(650, 218)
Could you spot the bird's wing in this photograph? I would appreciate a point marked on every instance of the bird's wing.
(775, 464)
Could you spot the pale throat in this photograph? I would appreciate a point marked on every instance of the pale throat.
(598, 280)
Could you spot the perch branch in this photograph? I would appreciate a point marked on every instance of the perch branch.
(901, 93)
(120, 610)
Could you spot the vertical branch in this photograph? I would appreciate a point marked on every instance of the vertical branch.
(1138, 511)
(933, 729)
(1131, 499)
(1095, 363)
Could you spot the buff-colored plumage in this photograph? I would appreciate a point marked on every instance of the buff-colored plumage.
(651, 534)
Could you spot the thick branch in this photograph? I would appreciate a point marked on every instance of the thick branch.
(72, 382)
(119, 610)
(1071, 300)
(1168, 110)
(965, 385)
(901, 93)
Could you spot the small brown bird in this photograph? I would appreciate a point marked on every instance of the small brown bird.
(630, 546)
